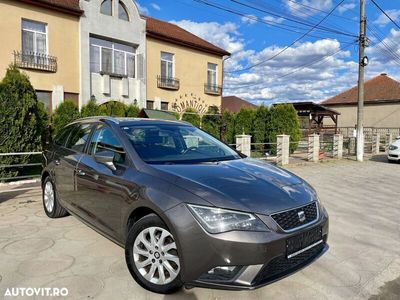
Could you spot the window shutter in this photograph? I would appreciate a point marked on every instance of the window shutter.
(140, 66)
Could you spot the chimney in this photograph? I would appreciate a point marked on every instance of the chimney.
(383, 74)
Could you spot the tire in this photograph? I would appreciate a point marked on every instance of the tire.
(146, 262)
(50, 204)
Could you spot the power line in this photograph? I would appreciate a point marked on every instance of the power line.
(290, 45)
(384, 12)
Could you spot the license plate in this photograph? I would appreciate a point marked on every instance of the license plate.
(302, 242)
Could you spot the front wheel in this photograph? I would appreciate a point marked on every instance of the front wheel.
(152, 256)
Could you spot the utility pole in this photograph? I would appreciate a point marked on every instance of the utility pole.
(362, 62)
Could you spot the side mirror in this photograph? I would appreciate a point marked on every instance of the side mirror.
(106, 157)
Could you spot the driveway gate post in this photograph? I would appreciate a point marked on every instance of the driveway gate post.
(376, 143)
(338, 146)
(313, 147)
(243, 144)
(282, 149)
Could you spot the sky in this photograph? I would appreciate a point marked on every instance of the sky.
(289, 50)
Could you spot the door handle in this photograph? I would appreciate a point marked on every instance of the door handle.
(80, 173)
(57, 162)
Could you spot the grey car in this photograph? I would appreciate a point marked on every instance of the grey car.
(189, 210)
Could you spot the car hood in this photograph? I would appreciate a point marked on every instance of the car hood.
(243, 184)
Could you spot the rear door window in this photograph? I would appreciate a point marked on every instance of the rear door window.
(78, 138)
(62, 136)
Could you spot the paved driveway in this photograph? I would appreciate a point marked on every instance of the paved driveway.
(364, 259)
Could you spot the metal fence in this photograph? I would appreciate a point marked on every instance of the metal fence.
(29, 170)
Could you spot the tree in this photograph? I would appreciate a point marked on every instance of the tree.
(64, 114)
(91, 109)
(192, 117)
(284, 120)
(113, 109)
(212, 122)
(228, 127)
(244, 121)
(132, 111)
(260, 127)
(22, 120)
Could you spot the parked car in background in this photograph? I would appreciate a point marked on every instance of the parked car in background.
(393, 154)
(188, 209)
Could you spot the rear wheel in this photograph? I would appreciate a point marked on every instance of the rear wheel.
(152, 256)
(50, 204)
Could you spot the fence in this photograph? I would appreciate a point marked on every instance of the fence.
(28, 170)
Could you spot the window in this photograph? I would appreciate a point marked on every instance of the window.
(105, 140)
(164, 105)
(78, 137)
(167, 65)
(149, 104)
(122, 11)
(106, 7)
(34, 37)
(73, 97)
(211, 74)
(112, 58)
(45, 98)
(62, 136)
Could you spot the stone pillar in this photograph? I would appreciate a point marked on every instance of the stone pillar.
(243, 144)
(352, 145)
(157, 103)
(282, 149)
(389, 139)
(376, 143)
(57, 96)
(313, 147)
(338, 146)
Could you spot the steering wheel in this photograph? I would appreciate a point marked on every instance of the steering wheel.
(189, 149)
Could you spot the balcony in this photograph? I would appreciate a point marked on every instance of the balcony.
(212, 89)
(35, 61)
(169, 83)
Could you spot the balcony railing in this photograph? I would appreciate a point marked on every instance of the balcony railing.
(36, 61)
(212, 89)
(168, 83)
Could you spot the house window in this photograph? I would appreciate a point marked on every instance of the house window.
(34, 37)
(45, 98)
(112, 58)
(211, 74)
(149, 104)
(164, 105)
(122, 11)
(106, 7)
(167, 65)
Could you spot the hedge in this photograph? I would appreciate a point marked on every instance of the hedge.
(64, 114)
(212, 122)
(192, 117)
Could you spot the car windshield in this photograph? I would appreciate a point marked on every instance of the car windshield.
(173, 144)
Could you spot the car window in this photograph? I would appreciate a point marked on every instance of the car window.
(62, 136)
(78, 137)
(104, 139)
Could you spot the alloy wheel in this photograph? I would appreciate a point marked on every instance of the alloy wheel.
(156, 256)
(48, 196)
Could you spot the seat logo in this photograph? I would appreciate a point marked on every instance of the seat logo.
(302, 216)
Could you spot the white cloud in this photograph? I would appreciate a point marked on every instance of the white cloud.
(155, 6)
(345, 7)
(273, 19)
(249, 19)
(383, 20)
(143, 9)
(296, 7)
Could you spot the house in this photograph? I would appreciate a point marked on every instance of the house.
(234, 104)
(42, 38)
(105, 50)
(183, 70)
(381, 104)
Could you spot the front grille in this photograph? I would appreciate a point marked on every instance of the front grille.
(282, 266)
(290, 219)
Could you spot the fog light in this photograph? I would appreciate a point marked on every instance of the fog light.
(221, 273)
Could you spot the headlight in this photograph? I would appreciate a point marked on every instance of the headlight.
(217, 220)
(393, 147)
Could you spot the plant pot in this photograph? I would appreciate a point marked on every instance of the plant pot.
(321, 155)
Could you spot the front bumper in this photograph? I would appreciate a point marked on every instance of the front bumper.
(261, 256)
(393, 154)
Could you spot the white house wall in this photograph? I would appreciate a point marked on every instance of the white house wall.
(104, 87)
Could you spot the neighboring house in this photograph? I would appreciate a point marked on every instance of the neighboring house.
(112, 52)
(42, 38)
(234, 104)
(381, 104)
(183, 70)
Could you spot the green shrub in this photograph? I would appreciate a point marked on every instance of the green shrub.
(228, 127)
(175, 114)
(212, 123)
(113, 109)
(284, 120)
(132, 111)
(64, 114)
(192, 117)
(91, 109)
(23, 120)
(260, 127)
(244, 121)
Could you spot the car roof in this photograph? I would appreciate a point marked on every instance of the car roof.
(126, 121)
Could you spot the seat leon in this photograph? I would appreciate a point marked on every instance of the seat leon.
(188, 210)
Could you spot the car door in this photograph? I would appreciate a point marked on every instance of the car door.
(65, 160)
(102, 190)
